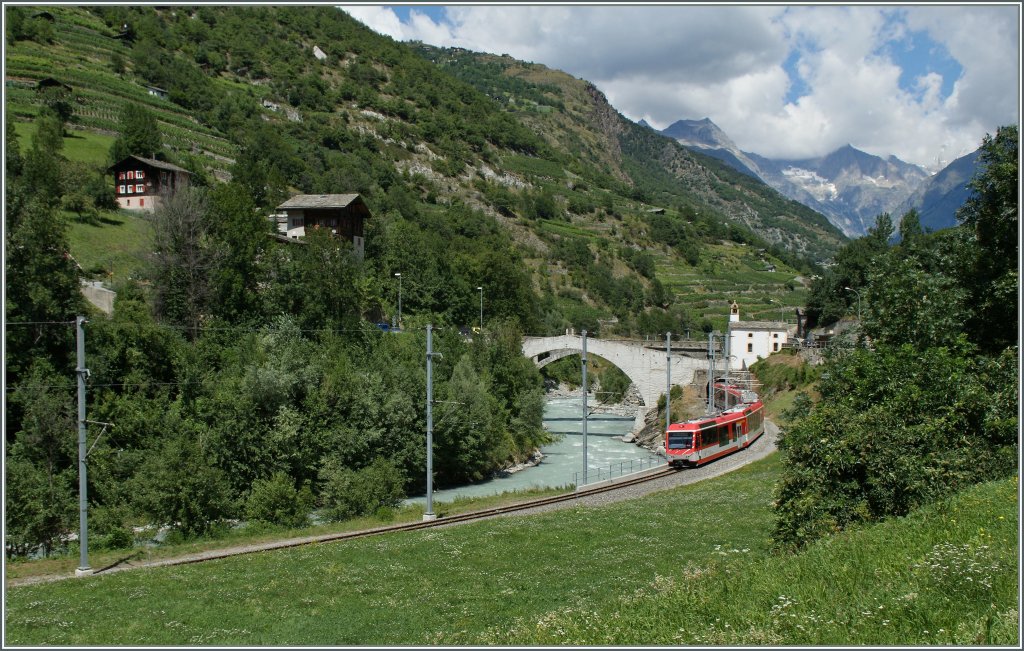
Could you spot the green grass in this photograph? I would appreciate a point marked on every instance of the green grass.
(730, 273)
(564, 228)
(945, 575)
(88, 147)
(686, 566)
(82, 146)
(409, 588)
(222, 538)
(117, 244)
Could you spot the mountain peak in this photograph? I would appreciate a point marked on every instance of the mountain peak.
(699, 133)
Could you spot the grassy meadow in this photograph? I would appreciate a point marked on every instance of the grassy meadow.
(945, 575)
(688, 566)
(114, 247)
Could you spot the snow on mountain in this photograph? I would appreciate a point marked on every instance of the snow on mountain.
(850, 187)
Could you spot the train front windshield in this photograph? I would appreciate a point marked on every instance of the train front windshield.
(680, 440)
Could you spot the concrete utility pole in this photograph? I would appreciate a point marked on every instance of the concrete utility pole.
(668, 379)
(711, 372)
(429, 514)
(851, 289)
(726, 356)
(584, 357)
(83, 503)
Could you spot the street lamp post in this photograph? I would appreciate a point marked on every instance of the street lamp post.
(481, 289)
(399, 277)
(858, 301)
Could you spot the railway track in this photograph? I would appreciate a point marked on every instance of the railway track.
(127, 564)
(761, 447)
(439, 522)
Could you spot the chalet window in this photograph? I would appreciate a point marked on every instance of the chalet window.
(131, 175)
(750, 347)
(750, 334)
(776, 335)
(139, 188)
(298, 222)
(139, 174)
(128, 189)
(120, 188)
(120, 176)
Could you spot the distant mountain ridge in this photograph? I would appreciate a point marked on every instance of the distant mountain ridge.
(938, 199)
(849, 186)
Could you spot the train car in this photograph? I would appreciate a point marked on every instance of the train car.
(698, 441)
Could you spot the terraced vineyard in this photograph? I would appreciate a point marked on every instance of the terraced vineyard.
(729, 272)
(81, 56)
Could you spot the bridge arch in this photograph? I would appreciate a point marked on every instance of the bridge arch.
(545, 358)
(644, 364)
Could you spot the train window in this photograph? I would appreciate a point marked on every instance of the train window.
(723, 434)
(738, 429)
(680, 440)
(709, 436)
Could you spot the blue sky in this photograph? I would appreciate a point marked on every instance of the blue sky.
(435, 12)
(924, 83)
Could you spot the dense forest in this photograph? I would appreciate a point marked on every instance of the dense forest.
(240, 378)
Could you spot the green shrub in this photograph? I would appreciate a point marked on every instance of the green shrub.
(119, 538)
(277, 501)
(350, 493)
(677, 392)
(895, 429)
(108, 528)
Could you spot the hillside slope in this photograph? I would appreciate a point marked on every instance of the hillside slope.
(575, 117)
(596, 214)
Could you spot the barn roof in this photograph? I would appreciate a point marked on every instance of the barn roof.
(159, 164)
(321, 201)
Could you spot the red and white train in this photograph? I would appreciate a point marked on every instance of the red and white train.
(700, 440)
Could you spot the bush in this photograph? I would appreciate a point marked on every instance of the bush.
(350, 493)
(895, 429)
(108, 528)
(179, 485)
(775, 376)
(119, 538)
(277, 501)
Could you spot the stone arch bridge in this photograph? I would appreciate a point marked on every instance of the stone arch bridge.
(643, 362)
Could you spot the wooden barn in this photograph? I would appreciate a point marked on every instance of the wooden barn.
(343, 214)
(139, 182)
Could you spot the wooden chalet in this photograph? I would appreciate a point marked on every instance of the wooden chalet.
(343, 214)
(140, 183)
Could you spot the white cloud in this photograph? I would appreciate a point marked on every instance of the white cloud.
(381, 20)
(728, 63)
